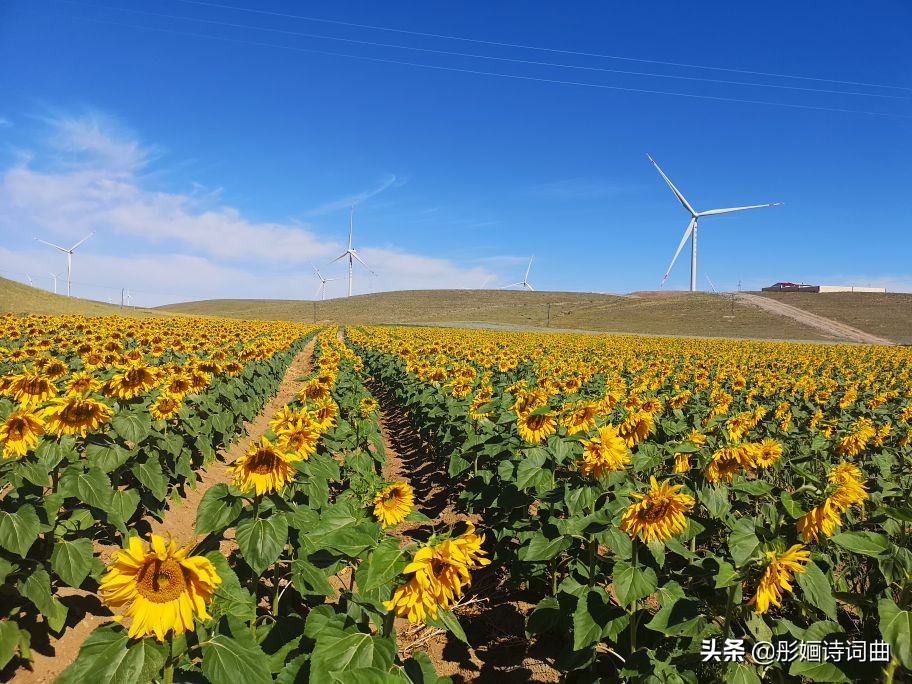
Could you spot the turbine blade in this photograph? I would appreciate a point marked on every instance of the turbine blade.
(680, 247)
(360, 260)
(526, 277)
(531, 289)
(512, 285)
(51, 244)
(351, 223)
(341, 256)
(81, 241)
(713, 212)
(673, 188)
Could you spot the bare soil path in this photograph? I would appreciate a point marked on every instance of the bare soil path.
(492, 617)
(828, 326)
(86, 612)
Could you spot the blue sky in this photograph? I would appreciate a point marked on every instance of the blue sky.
(214, 151)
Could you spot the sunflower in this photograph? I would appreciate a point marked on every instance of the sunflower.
(20, 432)
(393, 503)
(438, 574)
(82, 383)
(851, 488)
(636, 427)
(75, 415)
(165, 407)
(324, 413)
(603, 453)
(820, 520)
(314, 391)
(367, 406)
(32, 388)
(659, 513)
(162, 586)
(263, 468)
(767, 452)
(580, 416)
(534, 427)
(284, 418)
(777, 576)
(727, 461)
(682, 463)
(299, 439)
(135, 380)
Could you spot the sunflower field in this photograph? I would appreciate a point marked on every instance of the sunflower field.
(672, 505)
(663, 495)
(102, 421)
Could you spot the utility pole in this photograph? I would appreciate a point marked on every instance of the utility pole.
(123, 291)
(549, 314)
(315, 310)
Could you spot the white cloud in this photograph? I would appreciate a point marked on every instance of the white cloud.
(173, 246)
(5, 123)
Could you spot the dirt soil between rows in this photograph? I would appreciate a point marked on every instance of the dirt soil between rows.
(492, 616)
(52, 654)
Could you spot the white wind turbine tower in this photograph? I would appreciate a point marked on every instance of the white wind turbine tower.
(55, 276)
(69, 253)
(350, 253)
(691, 231)
(524, 284)
(321, 291)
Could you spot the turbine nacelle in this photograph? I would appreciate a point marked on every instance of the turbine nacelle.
(691, 231)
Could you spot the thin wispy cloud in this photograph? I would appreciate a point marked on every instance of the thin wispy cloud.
(346, 202)
(5, 123)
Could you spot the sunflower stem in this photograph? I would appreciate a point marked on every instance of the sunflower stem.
(169, 663)
(730, 604)
(890, 671)
(593, 546)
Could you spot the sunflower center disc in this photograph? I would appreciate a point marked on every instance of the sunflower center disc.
(656, 510)
(263, 462)
(161, 581)
(78, 413)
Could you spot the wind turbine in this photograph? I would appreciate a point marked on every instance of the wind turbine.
(525, 281)
(350, 253)
(691, 231)
(322, 289)
(69, 253)
(55, 276)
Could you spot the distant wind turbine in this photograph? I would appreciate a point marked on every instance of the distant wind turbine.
(524, 284)
(691, 231)
(486, 281)
(350, 252)
(69, 253)
(55, 276)
(321, 291)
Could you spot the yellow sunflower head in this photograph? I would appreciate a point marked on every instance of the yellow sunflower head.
(162, 586)
(659, 513)
(777, 576)
(75, 415)
(264, 469)
(393, 503)
(367, 406)
(604, 453)
(165, 407)
(299, 439)
(20, 432)
(82, 383)
(32, 388)
(534, 427)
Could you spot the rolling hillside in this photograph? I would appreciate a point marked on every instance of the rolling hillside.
(19, 298)
(702, 315)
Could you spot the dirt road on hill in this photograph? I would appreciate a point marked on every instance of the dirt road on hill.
(838, 330)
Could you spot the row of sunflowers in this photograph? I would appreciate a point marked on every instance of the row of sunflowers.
(102, 422)
(661, 495)
(298, 575)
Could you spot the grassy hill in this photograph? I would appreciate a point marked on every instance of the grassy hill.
(672, 313)
(20, 298)
(887, 315)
